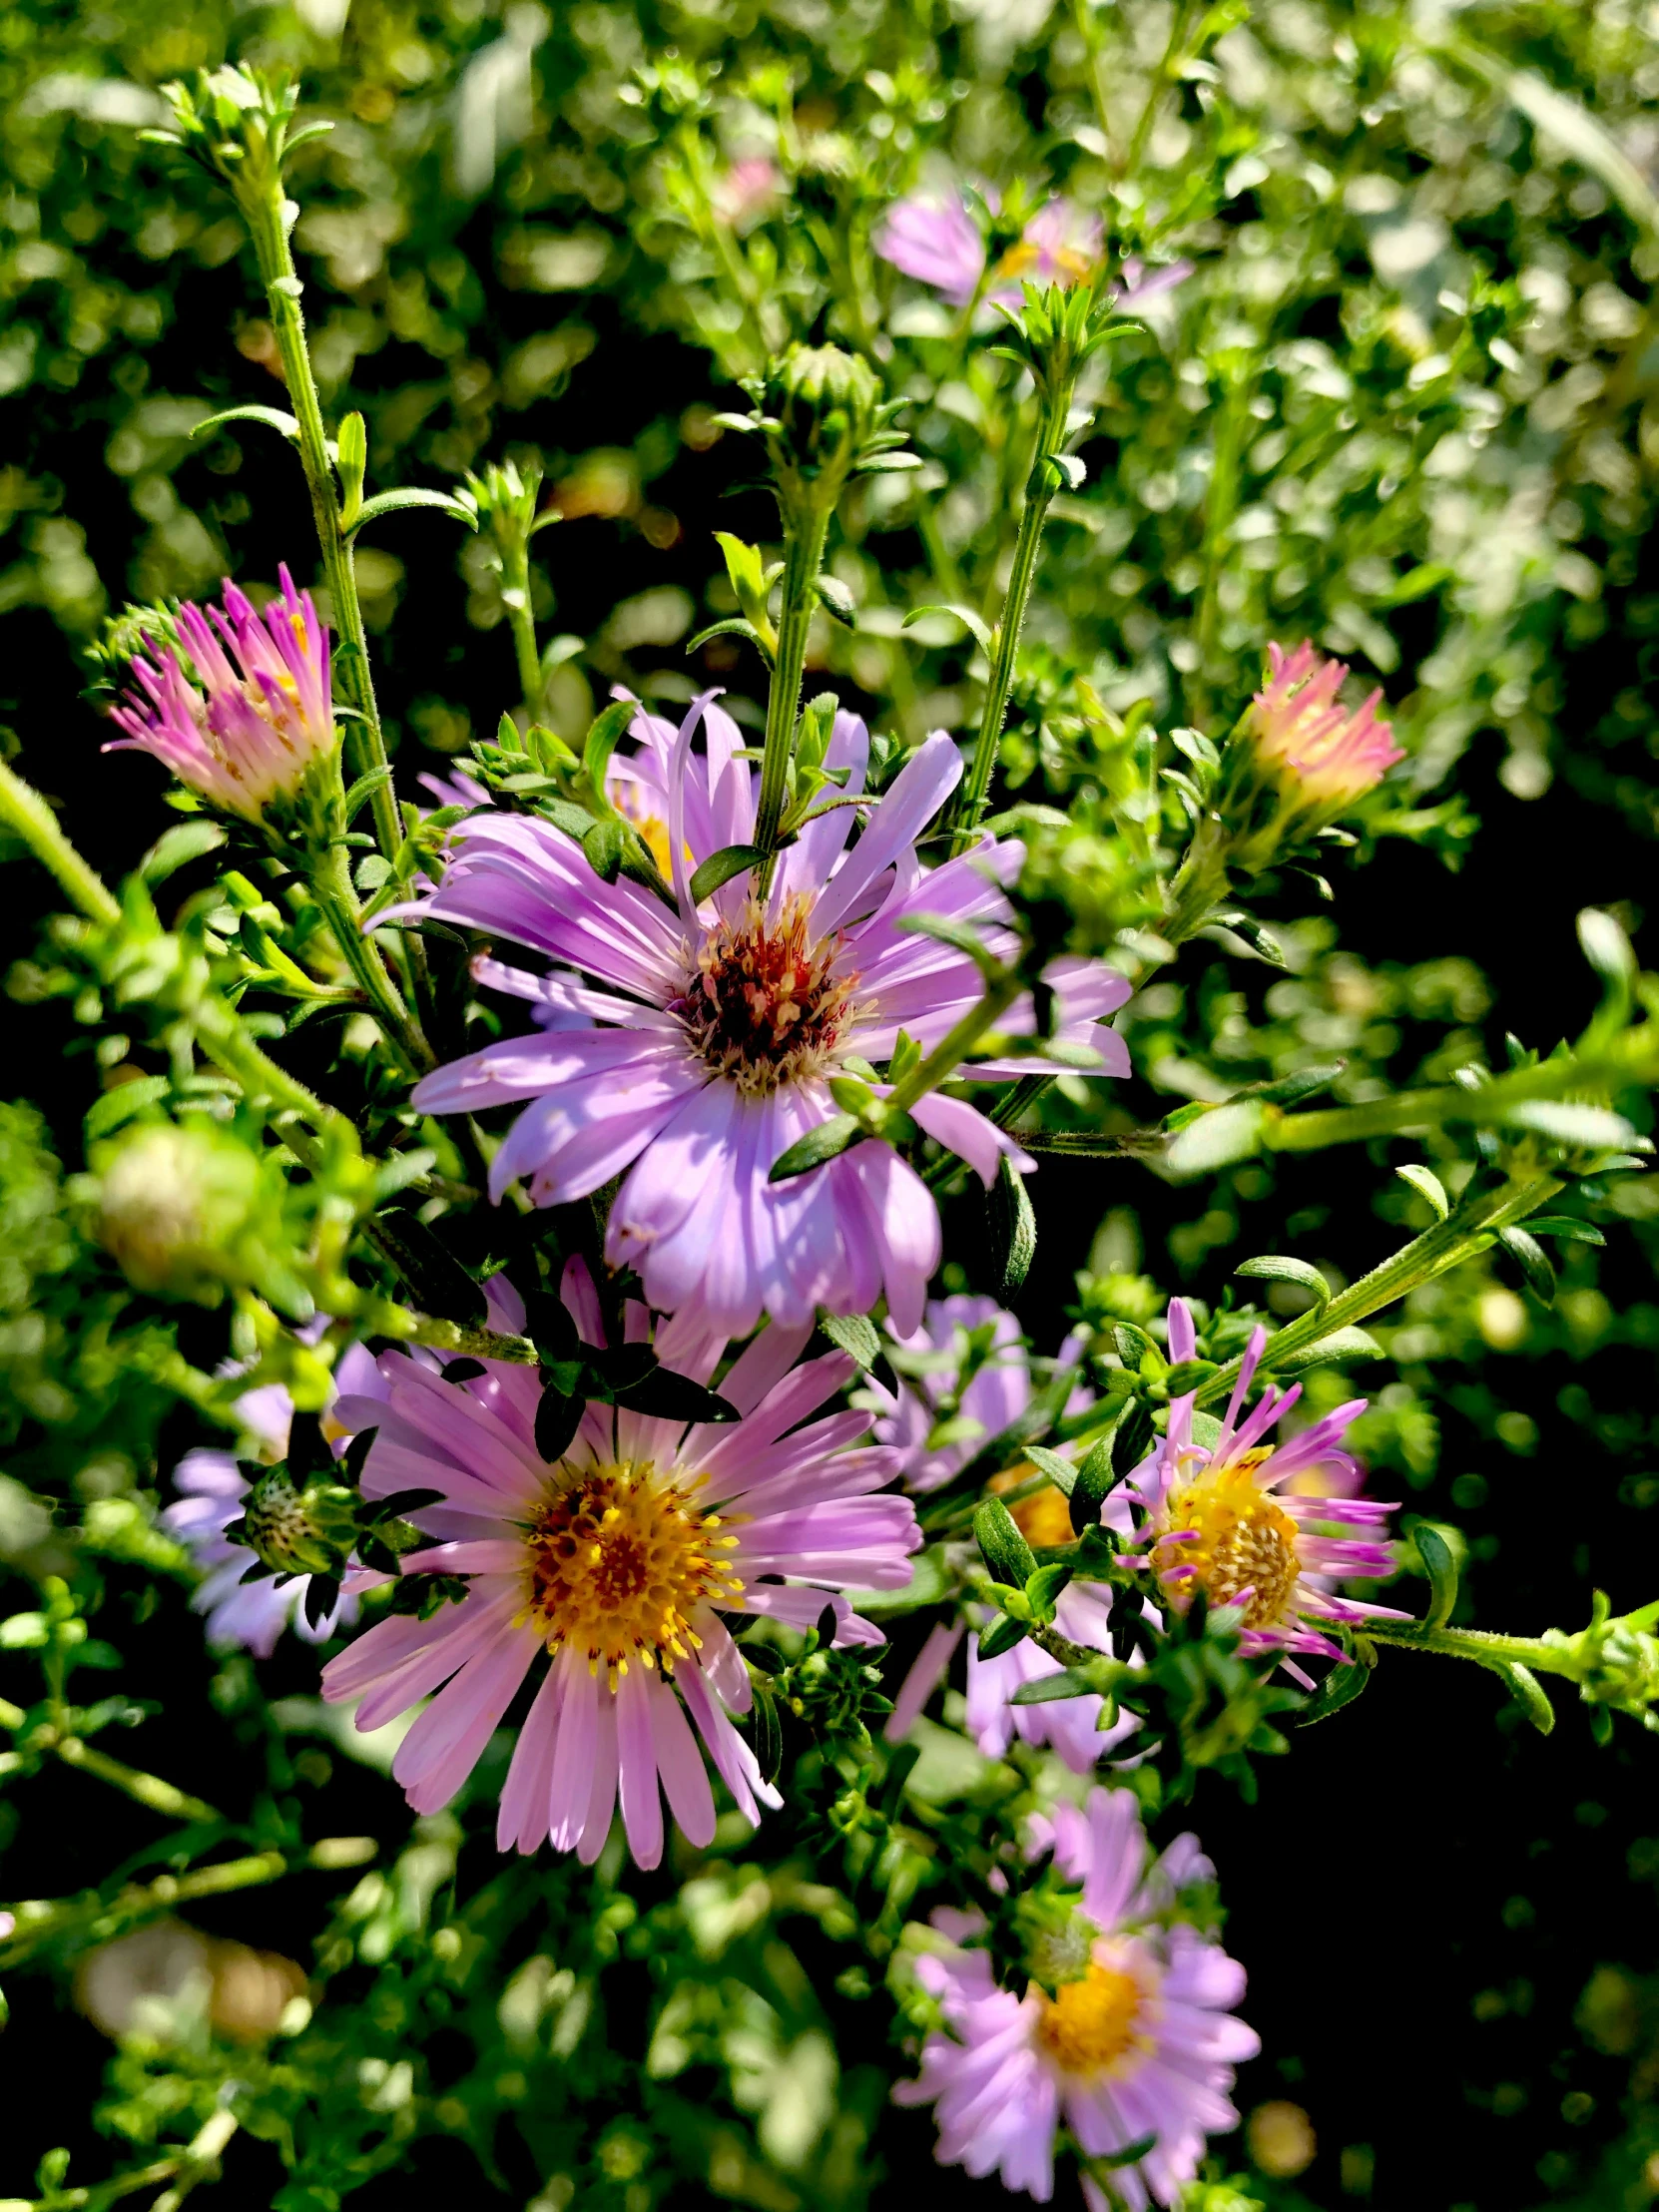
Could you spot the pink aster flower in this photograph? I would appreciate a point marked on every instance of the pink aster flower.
(1251, 1522)
(748, 190)
(251, 1616)
(997, 1392)
(1301, 730)
(620, 1563)
(252, 713)
(713, 1028)
(1125, 2031)
(939, 243)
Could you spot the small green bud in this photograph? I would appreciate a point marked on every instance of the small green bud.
(309, 1531)
(171, 1205)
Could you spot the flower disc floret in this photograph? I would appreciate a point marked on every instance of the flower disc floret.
(1232, 1540)
(763, 1005)
(620, 1561)
(1088, 2026)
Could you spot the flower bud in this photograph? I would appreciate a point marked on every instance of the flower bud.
(172, 1204)
(826, 404)
(309, 1531)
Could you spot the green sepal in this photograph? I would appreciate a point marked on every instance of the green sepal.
(1007, 1556)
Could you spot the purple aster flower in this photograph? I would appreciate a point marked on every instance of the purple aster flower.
(954, 1330)
(621, 1562)
(253, 712)
(1125, 2031)
(939, 243)
(1257, 1525)
(711, 1030)
(253, 1615)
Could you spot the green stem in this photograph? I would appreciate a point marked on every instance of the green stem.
(1087, 19)
(333, 890)
(144, 1789)
(1160, 79)
(1039, 493)
(365, 743)
(515, 597)
(804, 535)
(26, 813)
(1467, 1230)
(1484, 1645)
(955, 1045)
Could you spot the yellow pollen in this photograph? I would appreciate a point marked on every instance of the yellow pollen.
(1043, 1518)
(652, 828)
(619, 1561)
(1087, 2026)
(1242, 1539)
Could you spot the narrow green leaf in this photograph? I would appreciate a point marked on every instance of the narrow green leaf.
(1132, 1438)
(1440, 1566)
(838, 600)
(664, 1395)
(1278, 1267)
(602, 845)
(605, 731)
(437, 1278)
(853, 1333)
(176, 848)
(1566, 1225)
(1217, 1139)
(1340, 1343)
(558, 1416)
(830, 1139)
(1528, 1693)
(393, 502)
(1534, 1265)
(1339, 1687)
(957, 935)
(976, 624)
(1002, 1636)
(1050, 1688)
(362, 789)
(1428, 1185)
(1593, 1127)
(765, 1732)
(721, 866)
(1012, 1226)
(732, 626)
(1095, 1477)
(272, 418)
(121, 1104)
(1004, 1550)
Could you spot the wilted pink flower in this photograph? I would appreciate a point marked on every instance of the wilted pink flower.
(1229, 1518)
(709, 1031)
(242, 725)
(1125, 2031)
(747, 191)
(1301, 730)
(619, 1565)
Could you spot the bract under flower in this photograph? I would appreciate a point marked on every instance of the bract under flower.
(703, 1047)
(618, 1563)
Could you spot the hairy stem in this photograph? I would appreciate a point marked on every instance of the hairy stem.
(803, 559)
(331, 887)
(25, 813)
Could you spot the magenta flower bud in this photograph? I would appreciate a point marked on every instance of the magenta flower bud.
(1301, 730)
(258, 714)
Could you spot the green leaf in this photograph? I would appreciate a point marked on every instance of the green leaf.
(1340, 1343)
(1004, 1550)
(1095, 1477)
(605, 731)
(1217, 1139)
(765, 1732)
(721, 866)
(602, 845)
(1050, 1688)
(1132, 1438)
(1061, 1472)
(1440, 1566)
(1278, 1267)
(393, 502)
(1428, 1185)
(1535, 1264)
(853, 1333)
(1188, 1375)
(273, 417)
(838, 600)
(1339, 1687)
(176, 848)
(732, 626)
(1012, 1226)
(362, 789)
(1002, 1636)
(121, 1104)
(1043, 1587)
(957, 935)
(974, 624)
(1068, 472)
(664, 1395)
(1568, 1226)
(826, 1142)
(1528, 1693)
(1593, 1127)
(558, 1416)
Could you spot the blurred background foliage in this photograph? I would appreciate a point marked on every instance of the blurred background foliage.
(1407, 405)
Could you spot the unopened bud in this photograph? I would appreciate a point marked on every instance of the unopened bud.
(172, 1203)
(309, 1531)
(824, 402)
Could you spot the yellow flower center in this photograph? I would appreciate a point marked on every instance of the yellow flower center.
(1070, 265)
(620, 1562)
(1043, 1518)
(1088, 2025)
(762, 1004)
(1236, 1537)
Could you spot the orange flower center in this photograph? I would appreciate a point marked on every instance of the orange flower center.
(1043, 1518)
(1234, 1538)
(1087, 2026)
